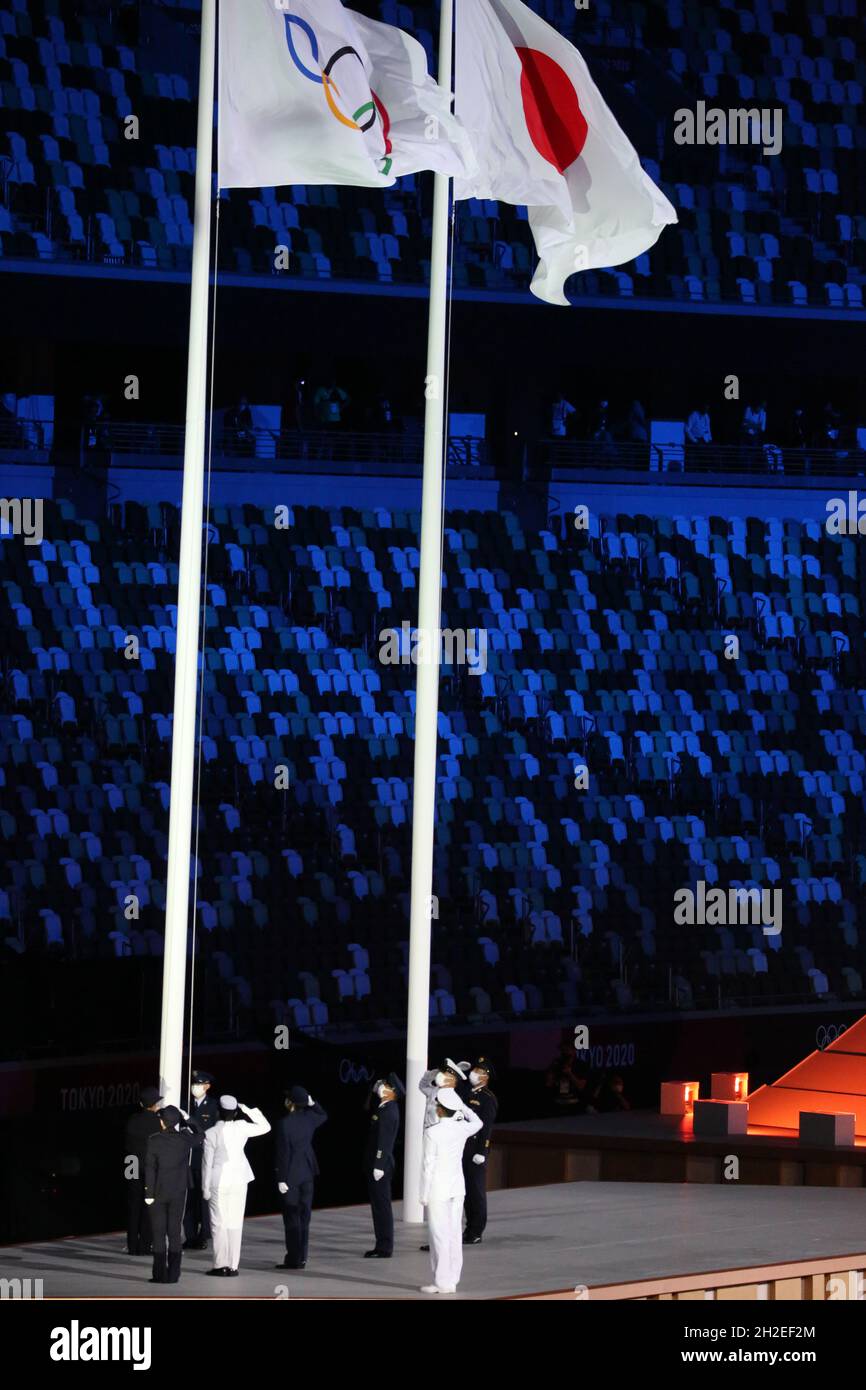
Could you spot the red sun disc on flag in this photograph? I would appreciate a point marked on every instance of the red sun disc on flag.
(555, 122)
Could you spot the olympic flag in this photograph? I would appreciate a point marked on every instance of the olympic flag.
(312, 93)
(544, 137)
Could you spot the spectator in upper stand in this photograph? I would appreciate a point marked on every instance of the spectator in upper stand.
(329, 403)
(561, 413)
(299, 410)
(601, 430)
(754, 426)
(239, 428)
(95, 421)
(11, 433)
(797, 431)
(831, 422)
(698, 428)
(383, 415)
(636, 431)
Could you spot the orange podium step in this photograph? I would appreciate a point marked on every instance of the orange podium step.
(830, 1081)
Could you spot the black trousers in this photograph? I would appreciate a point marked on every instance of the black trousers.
(297, 1210)
(196, 1222)
(475, 1204)
(166, 1223)
(383, 1215)
(137, 1218)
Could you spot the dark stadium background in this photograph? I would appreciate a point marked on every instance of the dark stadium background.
(86, 1023)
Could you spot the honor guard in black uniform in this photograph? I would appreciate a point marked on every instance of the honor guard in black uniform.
(139, 1128)
(166, 1178)
(484, 1103)
(203, 1108)
(379, 1163)
(296, 1171)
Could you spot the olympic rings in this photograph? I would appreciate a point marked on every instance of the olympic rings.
(825, 1035)
(369, 109)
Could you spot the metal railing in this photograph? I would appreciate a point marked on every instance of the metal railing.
(22, 434)
(764, 460)
(265, 446)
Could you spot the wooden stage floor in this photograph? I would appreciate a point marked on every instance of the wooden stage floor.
(539, 1240)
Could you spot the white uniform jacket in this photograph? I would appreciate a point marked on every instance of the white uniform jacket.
(427, 1086)
(442, 1156)
(225, 1165)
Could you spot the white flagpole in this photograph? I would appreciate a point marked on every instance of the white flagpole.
(427, 684)
(189, 586)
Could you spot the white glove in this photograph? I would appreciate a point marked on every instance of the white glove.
(243, 1107)
(206, 1195)
(378, 1173)
(185, 1115)
(282, 1187)
(478, 1158)
(311, 1101)
(149, 1201)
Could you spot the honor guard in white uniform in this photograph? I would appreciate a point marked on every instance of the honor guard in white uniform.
(443, 1187)
(449, 1074)
(225, 1175)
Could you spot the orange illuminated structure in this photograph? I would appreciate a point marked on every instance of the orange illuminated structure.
(678, 1097)
(829, 1083)
(729, 1085)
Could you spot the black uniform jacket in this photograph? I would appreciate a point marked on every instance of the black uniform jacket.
(139, 1128)
(206, 1113)
(166, 1164)
(296, 1158)
(486, 1105)
(381, 1138)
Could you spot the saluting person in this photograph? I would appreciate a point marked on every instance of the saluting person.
(449, 1074)
(379, 1163)
(205, 1111)
(225, 1175)
(482, 1100)
(166, 1175)
(443, 1187)
(139, 1128)
(296, 1171)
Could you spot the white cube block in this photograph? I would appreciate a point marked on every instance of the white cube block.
(678, 1097)
(729, 1085)
(832, 1131)
(714, 1119)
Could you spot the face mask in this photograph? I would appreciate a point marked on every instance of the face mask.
(198, 1091)
(475, 1077)
(380, 1091)
(439, 1078)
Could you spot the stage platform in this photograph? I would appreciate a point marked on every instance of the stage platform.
(641, 1146)
(572, 1240)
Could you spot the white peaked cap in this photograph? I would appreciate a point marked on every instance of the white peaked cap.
(456, 1066)
(448, 1098)
(228, 1103)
